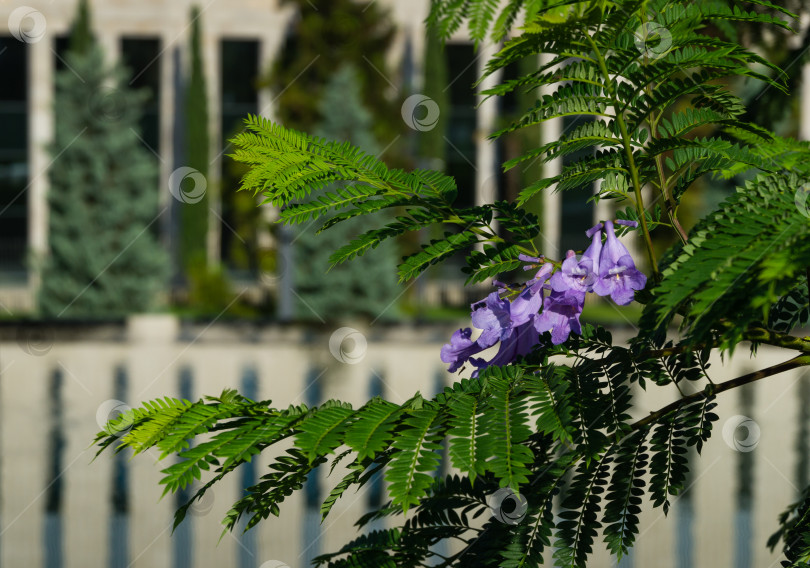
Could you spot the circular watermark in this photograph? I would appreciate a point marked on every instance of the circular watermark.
(27, 24)
(274, 564)
(182, 192)
(35, 341)
(281, 263)
(203, 505)
(109, 104)
(507, 506)
(110, 410)
(800, 199)
(741, 433)
(652, 40)
(431, 112)
(348, 345)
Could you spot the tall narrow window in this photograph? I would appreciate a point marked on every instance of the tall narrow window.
(61, 45)
(14, 170)
(312, 486)
(375, 497)
(463, 120)
(508, 146)
(248, 551)
(685, 520)
(55, 461)
(183, 537)
(119, 523)
(240, 216)
(746, 432)
(803, 437)
(461, 125)
(141, 57)
(577, 213)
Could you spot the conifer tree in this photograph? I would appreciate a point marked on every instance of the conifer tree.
(194, 216)
(309, 60)
(104, 259)
(366, 287)
(432, 143)
(81, 36)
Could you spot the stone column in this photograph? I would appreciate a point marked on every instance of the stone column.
(166, 101)
(211, 59)
(552, 201)
(804, 105)
(41, 130)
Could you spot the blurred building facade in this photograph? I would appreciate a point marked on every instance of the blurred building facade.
(240, 39)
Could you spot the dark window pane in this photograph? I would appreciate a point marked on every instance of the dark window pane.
(141, 57)
(577, 213)
(508, 146)
(240, 67)
(61, 45)
(14, 171)
(461, 66)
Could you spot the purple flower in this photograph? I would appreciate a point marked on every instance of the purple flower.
(519, 344)
(492, 315)
(511, 323)
(560, 316)
(618, 276)
(575, 277)
(526, 306)
(460, 348)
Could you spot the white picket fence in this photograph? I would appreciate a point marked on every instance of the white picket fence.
(57, 509)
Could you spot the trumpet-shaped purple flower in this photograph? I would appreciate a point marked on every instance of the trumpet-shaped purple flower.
(618, 276)
(460, 348)
(519, 344)
(560, 316)
(606, 269)
(511, 323)
(523, 308)
(575, 277)
(492, 315)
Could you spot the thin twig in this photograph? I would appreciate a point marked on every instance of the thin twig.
(796, 362)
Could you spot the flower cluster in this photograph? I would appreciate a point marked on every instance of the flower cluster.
(606, 269)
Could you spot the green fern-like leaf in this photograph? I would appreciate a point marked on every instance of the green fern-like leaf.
(418, 444)
(739, 261)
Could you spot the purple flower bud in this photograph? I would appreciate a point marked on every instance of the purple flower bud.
(618, 276)
(595, 229)
(594, 251)
(537, 283)
(530, 259)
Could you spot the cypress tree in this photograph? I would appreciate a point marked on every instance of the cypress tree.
(104, 259)
(194, 216)
(366, 286)
(81, 35)
(432, 143)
